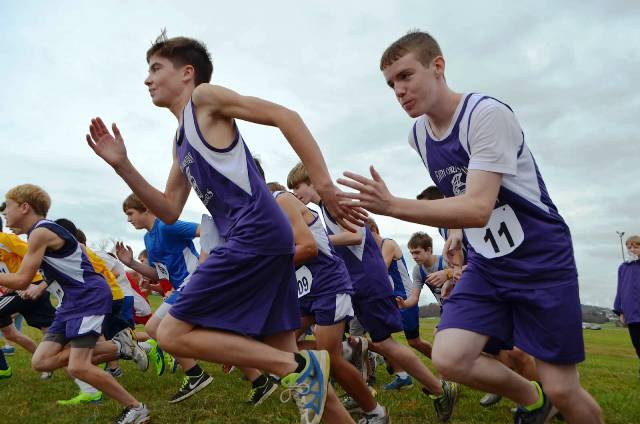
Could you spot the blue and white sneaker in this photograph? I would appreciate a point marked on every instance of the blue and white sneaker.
(399, 383)
(8, 350)
(309, 387)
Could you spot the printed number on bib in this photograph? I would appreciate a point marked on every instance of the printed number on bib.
(502, 235)
(305, 279)
(56, 290)
(161, 269)
(3, 268)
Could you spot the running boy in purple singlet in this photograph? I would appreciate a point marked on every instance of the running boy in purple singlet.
(520, 285)
(246, 286)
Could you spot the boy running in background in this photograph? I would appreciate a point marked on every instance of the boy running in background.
(86, 297)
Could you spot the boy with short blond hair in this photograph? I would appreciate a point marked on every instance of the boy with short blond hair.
(627, 301)
(86, 296)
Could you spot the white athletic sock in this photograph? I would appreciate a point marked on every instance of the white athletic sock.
(347, 350)
(402, 374)
(378, 411)
(145, 345)
(86, 387)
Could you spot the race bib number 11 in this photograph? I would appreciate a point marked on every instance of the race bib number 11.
(501, 236)
(305, 279)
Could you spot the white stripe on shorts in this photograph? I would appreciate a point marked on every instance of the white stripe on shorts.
(344, 308)
(91, 323)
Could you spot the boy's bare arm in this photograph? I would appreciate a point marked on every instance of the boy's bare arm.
(222, 102)
(168, 205)
(346, 238)
(305, 243)
(39, 240)
(469, 210)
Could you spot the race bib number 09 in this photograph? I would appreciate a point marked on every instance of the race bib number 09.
(502, 235)
(305, 279)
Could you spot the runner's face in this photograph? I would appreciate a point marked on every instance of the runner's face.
(13, 214)
(413, 84)
(164, 81)
(634, 249)
(304, 192)
(134, 217)
(419, 255)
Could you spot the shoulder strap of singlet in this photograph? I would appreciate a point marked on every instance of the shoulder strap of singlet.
(440, 264)
(423, 274)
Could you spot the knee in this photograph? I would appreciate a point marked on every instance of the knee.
(39, 364)
(78, 371)
(449, 364)
(164, 338)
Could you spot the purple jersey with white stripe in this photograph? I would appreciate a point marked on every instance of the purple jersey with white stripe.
(233, 191)
(627, 300)
(526, 241)
(86, 292)
(325, 274)
(364, 262)
(402, 283)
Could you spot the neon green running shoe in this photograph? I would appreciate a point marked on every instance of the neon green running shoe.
(309, 387)
(156, 355)
(81, 399)
(6, 373)
(170, 362)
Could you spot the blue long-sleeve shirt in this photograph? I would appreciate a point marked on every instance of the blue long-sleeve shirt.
(628, 294)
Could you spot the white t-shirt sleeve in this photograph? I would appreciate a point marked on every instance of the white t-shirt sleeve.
(494, 139)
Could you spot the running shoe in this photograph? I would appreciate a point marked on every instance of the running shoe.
(490, 399)
(81, 399)
(156, 356)
(350, 404)
(538, 416)
(191, 386)
(444, 403)
(399, 383)
(376, 419)
(115, 372)
(170, 362)
(131, 415)
(6, 373)
(360, 356)
(8, 350)
(259, 394)
(46, 375)
(129, 349)
(309, 387)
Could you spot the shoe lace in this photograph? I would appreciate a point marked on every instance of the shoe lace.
(185, 382)
(295, 391)
(252, 394)
(123, 415)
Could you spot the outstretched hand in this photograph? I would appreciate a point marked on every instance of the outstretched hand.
(109, 147)
(124, 253)
(346, 217)
(373, 195)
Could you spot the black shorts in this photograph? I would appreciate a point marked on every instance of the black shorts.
(38, 313)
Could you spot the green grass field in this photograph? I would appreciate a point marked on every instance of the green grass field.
(610, 373)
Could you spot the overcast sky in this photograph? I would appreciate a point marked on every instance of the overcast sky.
(568, 69)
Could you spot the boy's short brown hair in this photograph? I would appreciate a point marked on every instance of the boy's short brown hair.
(183, 51)
(420, 240)
(35, 196)
(132, 202)
(430, 193)
(276, 186)
(373, 226)
(422, 44)
(298, 175)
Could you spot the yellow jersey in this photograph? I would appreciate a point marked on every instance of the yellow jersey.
(101, 268)
(12, 250)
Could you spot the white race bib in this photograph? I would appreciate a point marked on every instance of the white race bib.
(56, 290)
(501, 236)
(305, 279)
(161, 269)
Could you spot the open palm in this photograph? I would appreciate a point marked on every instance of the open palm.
(109, 147)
